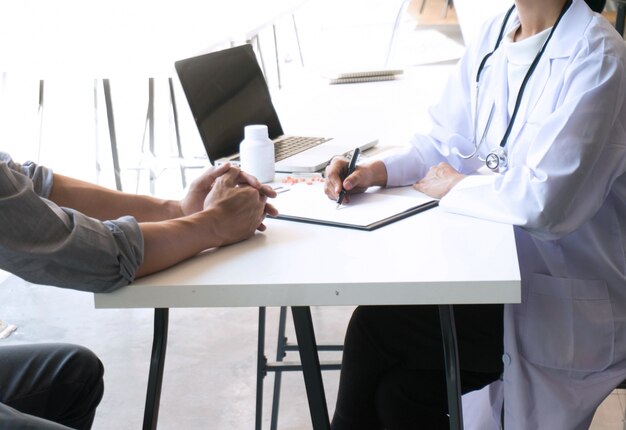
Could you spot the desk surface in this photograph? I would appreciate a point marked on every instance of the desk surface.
(430, 258)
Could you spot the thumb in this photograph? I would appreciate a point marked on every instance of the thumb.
(352, 181)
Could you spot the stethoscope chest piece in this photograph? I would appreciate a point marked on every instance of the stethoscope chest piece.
(496, 160)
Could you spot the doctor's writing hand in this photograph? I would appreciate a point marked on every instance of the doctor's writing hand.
(439, 180)
(363, 177)
(194, 201)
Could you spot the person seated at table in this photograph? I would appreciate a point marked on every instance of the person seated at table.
(530, 131)
(60, 231)
(596, 5)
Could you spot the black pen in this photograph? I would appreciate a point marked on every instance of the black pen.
(351, 167)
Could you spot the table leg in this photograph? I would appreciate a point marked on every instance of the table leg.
(260, 370)
(453, 377)
(311, 367)
(157, 361)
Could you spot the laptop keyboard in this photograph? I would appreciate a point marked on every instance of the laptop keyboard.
(291, 145)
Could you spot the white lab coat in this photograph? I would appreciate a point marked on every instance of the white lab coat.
(565, 193)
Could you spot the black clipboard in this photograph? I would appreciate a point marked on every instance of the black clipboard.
(369, 227)
(367, 211)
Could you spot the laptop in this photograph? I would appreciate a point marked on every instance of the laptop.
(226, 91)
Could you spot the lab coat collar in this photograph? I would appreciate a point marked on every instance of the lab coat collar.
(572, 25)
(562, 45)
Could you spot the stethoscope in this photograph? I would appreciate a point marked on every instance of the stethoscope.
(497, 159)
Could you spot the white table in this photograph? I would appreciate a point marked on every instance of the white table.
(430, 258)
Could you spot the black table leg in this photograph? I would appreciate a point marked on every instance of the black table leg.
(311, 367)
(453, 376)
(260, 370)
(157, 361)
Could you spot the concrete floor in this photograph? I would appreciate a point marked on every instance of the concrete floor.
(210, 373)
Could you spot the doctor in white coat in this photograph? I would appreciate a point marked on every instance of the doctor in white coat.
(531, 131)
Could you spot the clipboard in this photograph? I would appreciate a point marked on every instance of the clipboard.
(367, 211)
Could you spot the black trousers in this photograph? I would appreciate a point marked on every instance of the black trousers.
(393, 375)
(49, 386)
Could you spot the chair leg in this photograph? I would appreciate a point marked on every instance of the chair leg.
(260, 370)
(40, 118)
(261, 367)
(422, 6)
(96, 129)
(278, 367)
(177, 131)
(295, 29)
(281, 344)
(447, 6)
(255, 39)
(620, 387)
(112, 135)
(150, 125)
(620, 18)
(396, 25)
(277, 57)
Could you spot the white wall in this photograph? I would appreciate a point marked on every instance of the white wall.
(473, 13)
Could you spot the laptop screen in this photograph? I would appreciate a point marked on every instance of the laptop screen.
(226, 91)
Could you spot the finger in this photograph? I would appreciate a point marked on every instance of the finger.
(268, 191)
(332, 188)
(206, 180)
(271, 210)
(231, 176)
(262, 226)
(419, 186)
(337, 185)
(332, 185)
(329, 190)
(220, 170)
(249, 179)
(334, 172)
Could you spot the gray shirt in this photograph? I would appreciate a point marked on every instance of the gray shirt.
(47, 244)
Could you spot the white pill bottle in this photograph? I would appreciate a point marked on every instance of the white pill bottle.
(257, 153)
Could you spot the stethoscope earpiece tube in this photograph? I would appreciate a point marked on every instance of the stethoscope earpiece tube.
(496, 160)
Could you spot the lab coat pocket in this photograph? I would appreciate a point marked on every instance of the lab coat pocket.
(569, 324)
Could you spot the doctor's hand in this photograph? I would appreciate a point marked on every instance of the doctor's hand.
(439, 180)
(199, 189)
(363, 177)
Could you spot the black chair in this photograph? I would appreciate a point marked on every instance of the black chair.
(277, 367)
(621, 14)
(596, 5)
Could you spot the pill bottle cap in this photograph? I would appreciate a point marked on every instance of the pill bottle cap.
(256, 132)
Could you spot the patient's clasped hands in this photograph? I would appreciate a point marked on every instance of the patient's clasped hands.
(238, 199)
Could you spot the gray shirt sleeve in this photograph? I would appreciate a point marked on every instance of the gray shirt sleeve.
(46, 244)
